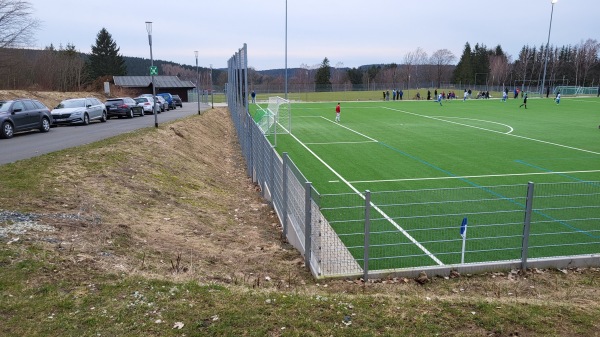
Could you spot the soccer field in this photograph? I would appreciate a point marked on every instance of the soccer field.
(429, 166)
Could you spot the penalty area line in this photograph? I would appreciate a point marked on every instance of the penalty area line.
(470, 177)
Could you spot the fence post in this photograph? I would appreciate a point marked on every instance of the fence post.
(307, 224)
(367, 235)
(272, 174)
(526, 226)
(284, 196)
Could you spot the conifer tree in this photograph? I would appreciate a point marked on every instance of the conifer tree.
(463, 73)
(323, 76)
(105, 58)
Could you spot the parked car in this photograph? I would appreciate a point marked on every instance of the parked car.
(163, 103)
(169, 98)
(79, 111)
(146, 104)
(178, 101)
(23, 115)
(123, 107)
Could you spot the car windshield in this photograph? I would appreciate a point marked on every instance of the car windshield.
(72, 103)
(141, 100)
(4, 105)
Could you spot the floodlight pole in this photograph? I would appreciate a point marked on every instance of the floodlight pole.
(149, 30)
(286, 50)
(212, 94)
(547, 46)
(197, 81)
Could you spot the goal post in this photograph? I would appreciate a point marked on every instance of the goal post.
(276, 118)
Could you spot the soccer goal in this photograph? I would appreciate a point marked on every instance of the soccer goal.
(276, 118)
(576, 91)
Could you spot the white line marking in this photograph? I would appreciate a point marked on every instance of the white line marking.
(510, 128)
(387, 217)
(469, 177)
(484, 129)
(347, 128)
(335, 143)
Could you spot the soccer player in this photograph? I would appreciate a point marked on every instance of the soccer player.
(465, 95)
(439, 99)
(524, 101)
(504, 96)
(338, 110)
(557, 99)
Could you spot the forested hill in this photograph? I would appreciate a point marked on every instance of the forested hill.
(137, 66)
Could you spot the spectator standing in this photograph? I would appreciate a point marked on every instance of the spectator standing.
(253, 95)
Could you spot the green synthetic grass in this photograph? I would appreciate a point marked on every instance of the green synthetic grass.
(483, 151)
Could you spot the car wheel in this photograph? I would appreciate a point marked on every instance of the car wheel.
(86, 119)
(7, 130)
(130, 113)
(45, 127)
(104, 118)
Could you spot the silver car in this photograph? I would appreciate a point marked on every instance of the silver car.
(79, 111)
(146, 103)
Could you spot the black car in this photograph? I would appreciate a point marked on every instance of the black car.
(23, 115)
(123, 107)
(177, 100)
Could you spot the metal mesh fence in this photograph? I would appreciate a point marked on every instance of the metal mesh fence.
(372, 234)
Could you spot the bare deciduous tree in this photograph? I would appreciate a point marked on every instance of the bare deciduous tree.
(17, 25)
(441, 60)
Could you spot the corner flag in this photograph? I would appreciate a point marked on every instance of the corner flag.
(463, 233)
(463, 228)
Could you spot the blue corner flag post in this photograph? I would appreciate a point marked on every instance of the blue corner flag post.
(463, 233)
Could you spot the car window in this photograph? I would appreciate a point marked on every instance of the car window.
(39, 105)
(141, 100)
(72, 103)
(28, 105)
(18, 105)
(114, 101)
(4, 105)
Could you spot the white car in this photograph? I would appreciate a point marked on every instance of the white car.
(164, 105)
(146, 103)
(79, 111)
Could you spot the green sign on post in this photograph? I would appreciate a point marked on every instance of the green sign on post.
(153, 70)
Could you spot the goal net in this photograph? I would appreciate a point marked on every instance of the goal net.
(276, 118)
(576, 91)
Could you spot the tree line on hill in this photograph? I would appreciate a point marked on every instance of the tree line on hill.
(63, 68)
(575, 65)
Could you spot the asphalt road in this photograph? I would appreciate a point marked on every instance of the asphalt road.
(31, 144)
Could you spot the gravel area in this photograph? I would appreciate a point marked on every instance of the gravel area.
(16, 223)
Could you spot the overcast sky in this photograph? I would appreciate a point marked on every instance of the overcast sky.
(349, 33)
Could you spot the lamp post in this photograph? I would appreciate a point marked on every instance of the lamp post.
(212, 94)
(547, 46)
(197, 81)
(149, 30)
